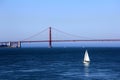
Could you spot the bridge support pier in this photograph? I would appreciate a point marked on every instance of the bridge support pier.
(9, 44)
(19, 44)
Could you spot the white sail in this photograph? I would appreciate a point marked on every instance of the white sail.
(86, 57)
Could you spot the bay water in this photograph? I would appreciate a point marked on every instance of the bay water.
(59, 64)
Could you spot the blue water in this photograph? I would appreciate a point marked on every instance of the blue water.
(59, 64)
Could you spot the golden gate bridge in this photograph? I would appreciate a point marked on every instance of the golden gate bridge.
(17, 44)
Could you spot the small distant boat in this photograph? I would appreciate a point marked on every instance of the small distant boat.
(86, 57)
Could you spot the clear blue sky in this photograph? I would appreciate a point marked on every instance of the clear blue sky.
(89, 18)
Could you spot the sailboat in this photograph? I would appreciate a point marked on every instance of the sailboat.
(86, 57)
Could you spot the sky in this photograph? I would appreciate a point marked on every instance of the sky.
(97, 19)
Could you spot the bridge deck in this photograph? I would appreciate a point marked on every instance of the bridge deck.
(91, 40)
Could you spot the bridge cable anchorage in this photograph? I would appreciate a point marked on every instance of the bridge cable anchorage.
(71, 34)
(35, 35)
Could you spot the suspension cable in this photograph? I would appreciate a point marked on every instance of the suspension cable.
(35, 34)
(70, 34)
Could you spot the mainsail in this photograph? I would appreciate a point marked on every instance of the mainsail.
(86, 57)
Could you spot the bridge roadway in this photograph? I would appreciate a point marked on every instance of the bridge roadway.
(18, 43)
(94, 40)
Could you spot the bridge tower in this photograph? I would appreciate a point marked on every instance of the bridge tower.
(50, 38)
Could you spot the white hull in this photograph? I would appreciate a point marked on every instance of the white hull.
(86, 61)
